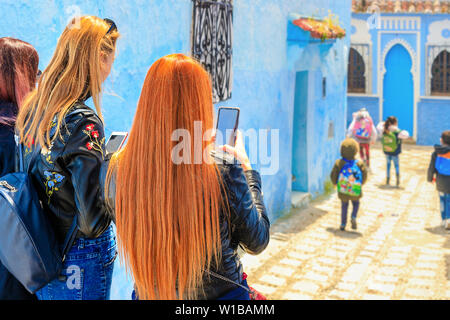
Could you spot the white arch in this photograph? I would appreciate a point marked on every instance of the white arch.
(362, 34)
(407, 46)
(414, 72)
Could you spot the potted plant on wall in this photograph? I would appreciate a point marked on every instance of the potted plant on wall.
(323, 30)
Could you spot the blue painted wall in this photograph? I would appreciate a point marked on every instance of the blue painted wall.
(264, 68)
(434, 115)
(266, 64)
(356, 102)
(427, 108)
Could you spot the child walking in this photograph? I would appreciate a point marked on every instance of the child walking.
(440, 169)
(364, 132)
(349, 175)
(391, 141)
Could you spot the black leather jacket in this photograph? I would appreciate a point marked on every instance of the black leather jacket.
(67, 176)
(249, 226)
(248, 229)
(7, 142)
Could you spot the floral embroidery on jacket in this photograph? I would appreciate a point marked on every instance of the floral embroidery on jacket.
(28, 149)
(52, 183)
(48, 154)
(94, 143)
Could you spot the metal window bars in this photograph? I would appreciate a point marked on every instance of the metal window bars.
(212, 39)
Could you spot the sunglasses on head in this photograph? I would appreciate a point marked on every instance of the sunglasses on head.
(112, 24)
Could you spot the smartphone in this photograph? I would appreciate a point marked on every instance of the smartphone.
(227, 125)
(116, 141)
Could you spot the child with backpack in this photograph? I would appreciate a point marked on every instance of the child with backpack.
(363, 130)
(440, 169)
(391, 140)
(349, 175)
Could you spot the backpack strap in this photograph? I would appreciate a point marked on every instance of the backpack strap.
(220, 277)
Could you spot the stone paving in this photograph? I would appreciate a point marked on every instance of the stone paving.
(399, 251)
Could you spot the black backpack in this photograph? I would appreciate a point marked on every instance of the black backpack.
(28, 245)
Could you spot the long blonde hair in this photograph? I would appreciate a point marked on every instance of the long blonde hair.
(73, 74)
(167, 214)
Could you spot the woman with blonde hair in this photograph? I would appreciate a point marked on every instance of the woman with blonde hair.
(64, 148)
(19, 62)
(179, 224)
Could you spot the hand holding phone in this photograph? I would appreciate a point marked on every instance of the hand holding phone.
(116, 142)
(227, 125)
(238, 151)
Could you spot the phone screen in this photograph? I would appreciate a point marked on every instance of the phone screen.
(227, 124)
(116, 141)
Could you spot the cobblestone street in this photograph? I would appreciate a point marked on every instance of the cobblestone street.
(399, 251)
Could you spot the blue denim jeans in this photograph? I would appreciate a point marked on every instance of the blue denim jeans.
(237, 294)
(87, 271)
(394, 159)
(445, 205)
(344, 211)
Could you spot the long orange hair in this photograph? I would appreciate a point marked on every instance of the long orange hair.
(167, 214)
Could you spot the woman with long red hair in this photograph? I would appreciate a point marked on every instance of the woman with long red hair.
(179, 225)
(18, 71)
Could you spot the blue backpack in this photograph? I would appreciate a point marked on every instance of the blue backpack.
(350, 179)
(443, 164)
(28, 245)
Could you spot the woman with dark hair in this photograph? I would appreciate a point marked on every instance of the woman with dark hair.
(18, 71)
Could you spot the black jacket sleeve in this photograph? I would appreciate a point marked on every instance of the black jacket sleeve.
(7, 151)
(432, 168)
(249, 216)
(84, 156)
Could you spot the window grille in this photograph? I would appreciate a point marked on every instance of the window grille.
(440, 71)
(356, 73)
(212, 38)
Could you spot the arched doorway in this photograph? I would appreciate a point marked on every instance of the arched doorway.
(398, 88)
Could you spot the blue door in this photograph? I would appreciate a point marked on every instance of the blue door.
(398, 88)
(299, 143)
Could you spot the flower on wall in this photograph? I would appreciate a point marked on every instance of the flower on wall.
(327, 28)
